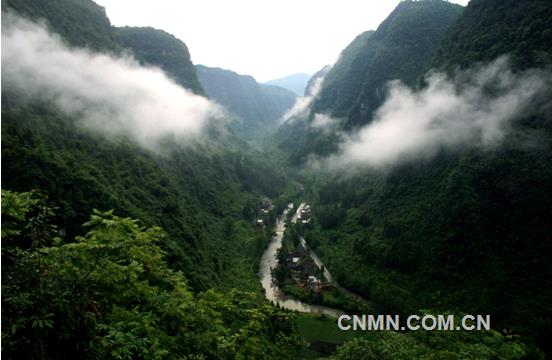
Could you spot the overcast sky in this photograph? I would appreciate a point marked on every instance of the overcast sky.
(267, 39)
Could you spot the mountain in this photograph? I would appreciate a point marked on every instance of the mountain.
(296, 83)
(318, 76)
(81, 170)
(400, 49)
(464, 231)
(129, 245)
(168, 234)
(81, 23)
(157, 47)
(256, 107)
(348, 77)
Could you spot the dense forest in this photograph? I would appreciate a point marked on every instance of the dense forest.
(204, 198)
(465, 230)
(110, 294)
(112, 249)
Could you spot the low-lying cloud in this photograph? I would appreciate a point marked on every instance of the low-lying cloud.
(105, 93)
(301, 108)
(324, 122)
(475, 108)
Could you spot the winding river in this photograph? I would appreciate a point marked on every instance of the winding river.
(269, 262)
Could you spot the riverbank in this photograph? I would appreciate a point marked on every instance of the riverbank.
(301, 274)
(269, 262)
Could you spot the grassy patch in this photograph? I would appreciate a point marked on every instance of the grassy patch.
(322, 328)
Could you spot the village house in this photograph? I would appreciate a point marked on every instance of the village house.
(293, 260)
(305, 214)
(314, 283)
(266, 204)
(259, 224)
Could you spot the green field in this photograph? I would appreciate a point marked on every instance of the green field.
(321, 328)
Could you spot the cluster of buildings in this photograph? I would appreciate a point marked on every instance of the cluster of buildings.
(304, 214)
(304, 271)
(266, 206)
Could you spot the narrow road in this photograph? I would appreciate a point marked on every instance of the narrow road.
(321, 265)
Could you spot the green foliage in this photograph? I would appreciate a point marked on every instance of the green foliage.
(159, 48)
(382, 346)
(321, 328)
(458, 232)
(427, 345)
(490, 28)
(331, 296)
(196, 190)
(30, 209)
(110, 295)
(190, 190)
(467, 230)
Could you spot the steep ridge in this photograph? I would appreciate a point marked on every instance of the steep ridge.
(157, 47)
(318, 76)
(400, 49)
(464, 231)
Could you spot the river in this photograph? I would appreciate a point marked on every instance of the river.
(269, 262)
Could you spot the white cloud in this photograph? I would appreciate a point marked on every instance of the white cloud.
(322, 121)
(475, 108)
(301, 108)
(108, 94)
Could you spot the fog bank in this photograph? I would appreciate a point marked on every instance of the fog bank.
(103, 92)
(473, 108)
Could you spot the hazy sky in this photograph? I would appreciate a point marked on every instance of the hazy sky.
(267, 39)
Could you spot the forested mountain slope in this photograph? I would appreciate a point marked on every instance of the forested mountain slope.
(111, 292)
(467, 229)
(256, 107)
(189, 188)
(400, 49)
(489, 29)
